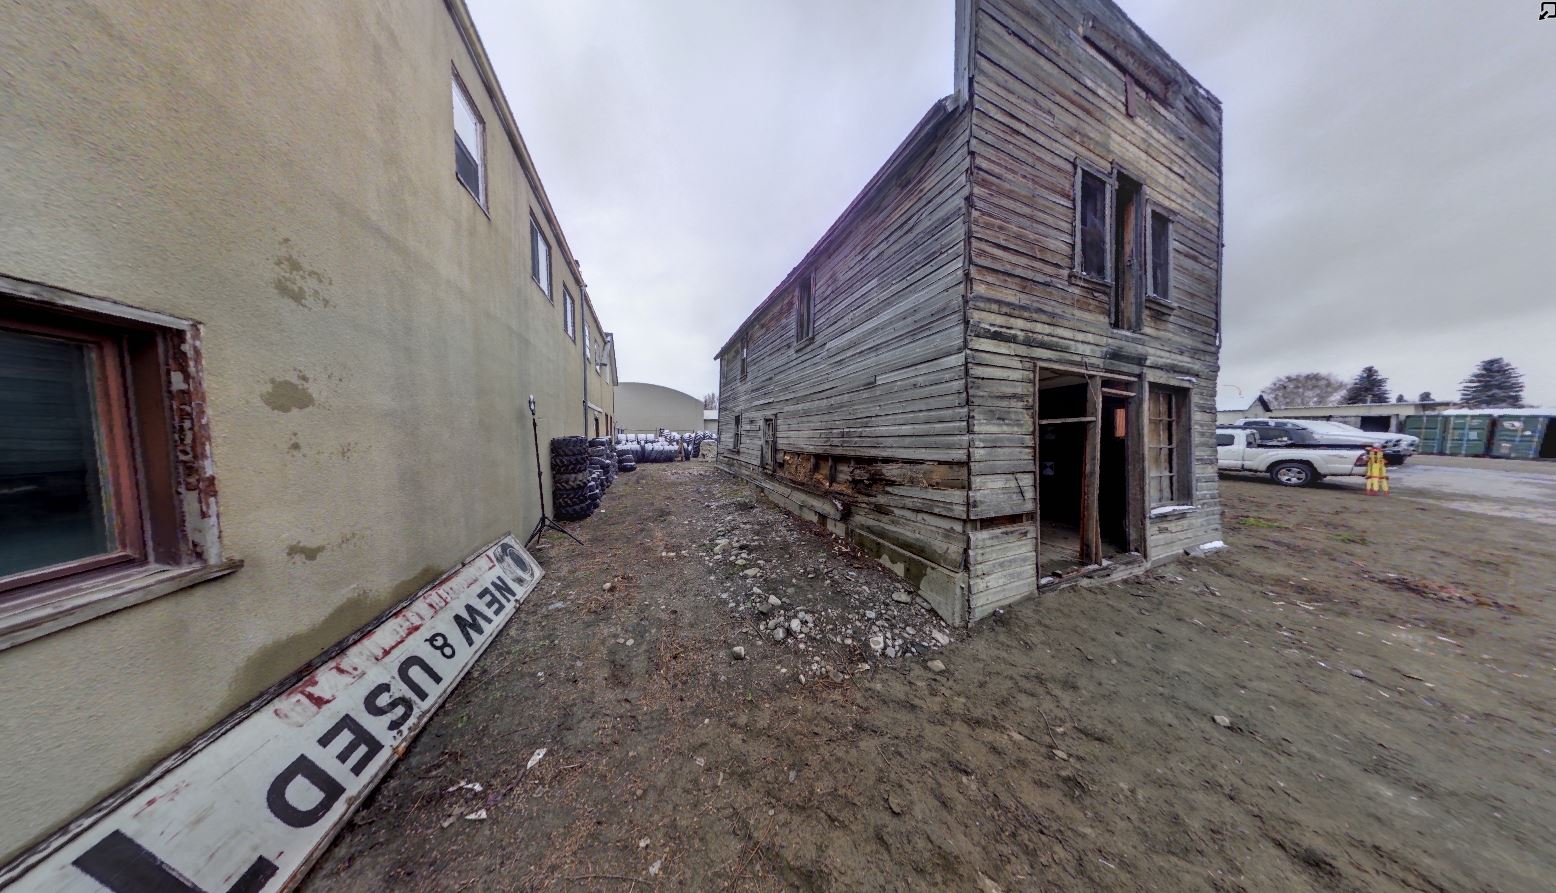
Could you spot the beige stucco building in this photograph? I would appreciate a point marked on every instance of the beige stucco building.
(645, 408)
(314, 276)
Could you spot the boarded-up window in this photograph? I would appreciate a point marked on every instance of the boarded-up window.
(1091, 224)
(770, 445)
(1168, 475)
(804, 309)
(1161, 256)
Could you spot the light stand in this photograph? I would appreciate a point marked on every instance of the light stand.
(540, 485)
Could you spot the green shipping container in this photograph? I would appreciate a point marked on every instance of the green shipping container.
(1430, 428)
(1524, 437)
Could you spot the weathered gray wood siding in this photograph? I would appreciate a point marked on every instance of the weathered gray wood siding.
(1043, 96)
(871, 413)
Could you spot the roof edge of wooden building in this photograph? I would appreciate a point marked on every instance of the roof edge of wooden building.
(922, 133)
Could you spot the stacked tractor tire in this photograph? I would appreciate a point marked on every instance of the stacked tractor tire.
(575, 483)
(626, 459)
(602, 462)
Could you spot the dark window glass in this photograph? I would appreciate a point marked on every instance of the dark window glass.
(804, 311)
(1093, 234)
(468, 148)
(1161, 255)
(1225, 439)
(466, 168)
(54, 499)
(540, 258)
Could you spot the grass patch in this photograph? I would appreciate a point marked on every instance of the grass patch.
(1354, 539)
(1261, 522)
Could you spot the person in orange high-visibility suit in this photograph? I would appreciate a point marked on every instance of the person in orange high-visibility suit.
(1377, 473)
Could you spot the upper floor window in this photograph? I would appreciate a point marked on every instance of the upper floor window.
(588, 346)
(1093, 254)
(744, 351)
(804, 310)
(569, 322)
(539, 257)
(1161, 256)
(469, 144)
(1110, 241)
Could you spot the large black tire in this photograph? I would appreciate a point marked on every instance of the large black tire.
(570, 480)
(1293, 474)
(1394, 460)
(569, 464)
(576, 513)
(568, 446)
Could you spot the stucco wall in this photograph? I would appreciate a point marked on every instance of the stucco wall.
(645, 408)
(282, 172)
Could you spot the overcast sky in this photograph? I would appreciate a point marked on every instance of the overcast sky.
(1390, 165)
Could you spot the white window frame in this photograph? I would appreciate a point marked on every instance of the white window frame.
(569, 314)
(540, 258)
(461, 94)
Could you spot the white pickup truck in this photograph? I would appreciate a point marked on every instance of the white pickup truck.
(1238, 449)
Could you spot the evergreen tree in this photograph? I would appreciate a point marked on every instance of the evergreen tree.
(1424, 397)
(1495, 382)
(1369, 386)
(1399, 398)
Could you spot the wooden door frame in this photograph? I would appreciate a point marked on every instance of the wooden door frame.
(1090, 528)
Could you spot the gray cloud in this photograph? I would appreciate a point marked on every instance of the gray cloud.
(1387, 165)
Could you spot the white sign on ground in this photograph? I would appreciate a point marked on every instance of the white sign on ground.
(251, 804)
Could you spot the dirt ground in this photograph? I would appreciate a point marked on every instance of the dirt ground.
(1383, 667)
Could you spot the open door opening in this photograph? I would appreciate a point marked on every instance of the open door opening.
(1085, 441)
(1113, 477)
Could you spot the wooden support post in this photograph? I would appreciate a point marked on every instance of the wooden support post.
(1037, 477)
(1135, 474)
(1091, 527)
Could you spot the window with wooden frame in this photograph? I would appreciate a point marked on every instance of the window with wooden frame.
(804, 310)
(107, 497)
(569, 315)
(1169, 449)
(540, 258)
(1093, 245)
(744, 351)
(1159, 250)
(469, 144)
(735, 441)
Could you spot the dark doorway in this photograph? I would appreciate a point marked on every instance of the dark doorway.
(1113, 476)
(1085, 444)
(1379, 423)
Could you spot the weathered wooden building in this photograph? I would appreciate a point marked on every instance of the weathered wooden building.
(996, 371)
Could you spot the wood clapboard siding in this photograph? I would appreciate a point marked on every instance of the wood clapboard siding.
(1042, 97)
(950, 277)
(883, 377)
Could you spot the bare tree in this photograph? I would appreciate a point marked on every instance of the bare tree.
(1304, 389)
(710, 400)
